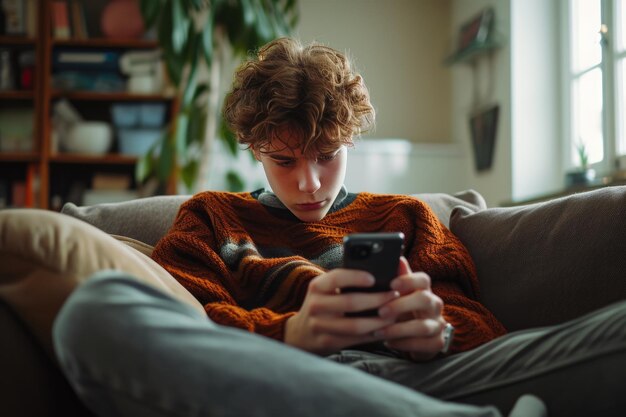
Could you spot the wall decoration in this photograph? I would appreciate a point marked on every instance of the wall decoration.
(477, 31)
(483, 129)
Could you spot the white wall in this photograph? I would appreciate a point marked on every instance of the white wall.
(375, 165)
(536, 145)
(522, 77)
(398, 46)
(492, 78)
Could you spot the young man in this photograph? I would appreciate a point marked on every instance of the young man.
(269, 263)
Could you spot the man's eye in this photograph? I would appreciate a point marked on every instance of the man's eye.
(284, 163)
(327, 157)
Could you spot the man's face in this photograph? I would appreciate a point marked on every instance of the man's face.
(306, 185)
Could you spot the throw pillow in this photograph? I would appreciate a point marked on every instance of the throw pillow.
(548, 262)
(44, 255)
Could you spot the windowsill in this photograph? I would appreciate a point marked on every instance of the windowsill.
(579, 188)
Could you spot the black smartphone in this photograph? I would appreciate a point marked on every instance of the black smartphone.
(377, 253)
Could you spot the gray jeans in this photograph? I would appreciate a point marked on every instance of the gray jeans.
(130, 350)
(577, 368)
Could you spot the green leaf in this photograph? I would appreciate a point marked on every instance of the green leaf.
(248, 12)
(180, 136)
(180, 27)
(144, 168)
(165, 167)
(197, 125)
(150, 11)
(192, 81)
(207, 41)
(197, 4)
(165, 27)
(264, 30)
(229, 138)
(175, 68)
(190, 45)
(189, 173)
(201, 89)
(234, 182)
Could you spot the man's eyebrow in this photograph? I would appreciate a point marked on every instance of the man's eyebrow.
(280, 157)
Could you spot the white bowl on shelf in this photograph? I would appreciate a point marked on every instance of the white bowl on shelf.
(90, 137)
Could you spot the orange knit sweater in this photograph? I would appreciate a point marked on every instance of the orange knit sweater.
(250, 264)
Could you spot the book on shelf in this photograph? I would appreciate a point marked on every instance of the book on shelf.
(18, 194)
(31, 185)
(78, 19)
(31, 18)
(110, 181)
(14, 17)
(60, 20)
(4, 193)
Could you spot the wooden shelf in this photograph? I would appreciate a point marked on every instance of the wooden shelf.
(17, 95)
(19, 156)
(54, 174)
(110, 158)
(473, 52)
(17, 40)
(98, 96)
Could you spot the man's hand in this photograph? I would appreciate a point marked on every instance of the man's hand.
(417, 321)
(321, 326)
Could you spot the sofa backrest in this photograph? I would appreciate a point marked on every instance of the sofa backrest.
(148, 219)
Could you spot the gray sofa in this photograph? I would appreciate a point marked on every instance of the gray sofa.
(538, 264)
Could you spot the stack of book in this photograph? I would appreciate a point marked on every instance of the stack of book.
(87, 70)
(18, 17)
(109, 188)
(69, 20)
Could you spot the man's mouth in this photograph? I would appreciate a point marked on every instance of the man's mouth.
(311, 206)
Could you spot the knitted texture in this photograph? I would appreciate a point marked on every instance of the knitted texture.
(250, 265)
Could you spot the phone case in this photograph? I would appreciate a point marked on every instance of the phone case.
(377, 253)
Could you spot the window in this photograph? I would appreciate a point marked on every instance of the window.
(596, 82)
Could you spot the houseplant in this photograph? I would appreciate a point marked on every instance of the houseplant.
(582, 174)
(196, 37)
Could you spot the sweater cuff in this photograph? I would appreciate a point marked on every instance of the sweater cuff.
(274, 329)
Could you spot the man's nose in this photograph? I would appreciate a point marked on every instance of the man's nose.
(308, 177)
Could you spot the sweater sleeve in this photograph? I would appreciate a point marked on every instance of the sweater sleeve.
(189, 253)
(439, 253)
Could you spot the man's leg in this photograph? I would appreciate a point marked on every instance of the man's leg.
(578, 368)
(131, 350)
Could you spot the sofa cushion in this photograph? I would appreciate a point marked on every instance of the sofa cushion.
(144, 219)
(44, 255)
(548, 262)
(148, 219)
(30, 382)
(442, 204)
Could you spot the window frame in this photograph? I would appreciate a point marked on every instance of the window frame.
(613, 124)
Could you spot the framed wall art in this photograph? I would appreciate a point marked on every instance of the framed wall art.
(484, 129)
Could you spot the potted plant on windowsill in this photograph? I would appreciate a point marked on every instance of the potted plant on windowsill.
(196, 37)
(583, 174)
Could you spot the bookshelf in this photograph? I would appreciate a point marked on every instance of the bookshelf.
(44, 167)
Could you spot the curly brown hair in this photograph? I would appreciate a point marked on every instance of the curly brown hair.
(310, 90)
